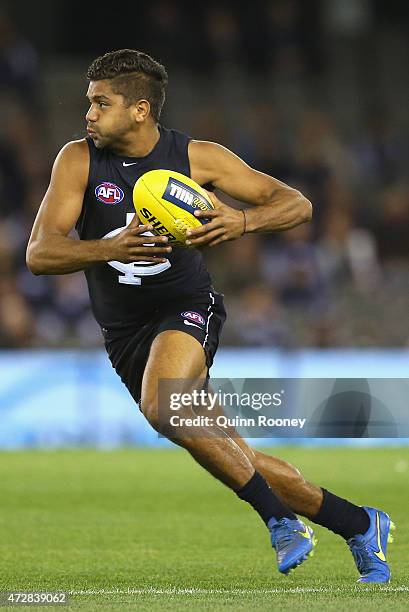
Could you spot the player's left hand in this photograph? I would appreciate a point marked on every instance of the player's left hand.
(226, 223)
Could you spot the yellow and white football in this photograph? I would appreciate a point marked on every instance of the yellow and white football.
(167, 200)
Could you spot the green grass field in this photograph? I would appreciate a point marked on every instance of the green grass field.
(145, 529)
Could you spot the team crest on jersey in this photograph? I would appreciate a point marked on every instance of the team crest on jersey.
(109, 193)
(193, 316)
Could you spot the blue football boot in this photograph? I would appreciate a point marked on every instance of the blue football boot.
(293, 542)
(369, 549)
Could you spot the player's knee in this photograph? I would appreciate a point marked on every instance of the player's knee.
(149, 409)
(160, 422)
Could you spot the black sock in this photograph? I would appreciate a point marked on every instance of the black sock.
(259, 495)
(340, 516)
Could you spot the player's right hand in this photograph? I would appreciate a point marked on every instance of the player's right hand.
(129, 245)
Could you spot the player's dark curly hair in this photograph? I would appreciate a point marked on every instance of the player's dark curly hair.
(134, 75)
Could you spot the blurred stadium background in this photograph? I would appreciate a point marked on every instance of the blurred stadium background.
(316, 94)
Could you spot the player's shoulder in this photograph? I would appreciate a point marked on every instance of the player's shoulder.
(208, 158)
(207, 151)
(74, 151)
(73, 161)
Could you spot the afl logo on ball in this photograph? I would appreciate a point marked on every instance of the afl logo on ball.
(109, 193)
(193, 316)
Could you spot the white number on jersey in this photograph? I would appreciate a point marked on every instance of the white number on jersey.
(132, 272)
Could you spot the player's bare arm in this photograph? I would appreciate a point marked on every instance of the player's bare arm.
(276, 206)
(51, 250)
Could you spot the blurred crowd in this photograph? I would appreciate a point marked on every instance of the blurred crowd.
(343, 279)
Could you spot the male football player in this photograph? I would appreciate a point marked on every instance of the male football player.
(142, 290)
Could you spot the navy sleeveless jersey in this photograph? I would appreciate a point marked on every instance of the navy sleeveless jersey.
(123, 295)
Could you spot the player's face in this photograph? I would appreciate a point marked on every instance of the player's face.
(109, 120)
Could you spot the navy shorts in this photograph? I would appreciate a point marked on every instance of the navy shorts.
(201, 316)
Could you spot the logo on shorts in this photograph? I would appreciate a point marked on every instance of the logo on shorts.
(109, 193)
(193, 316)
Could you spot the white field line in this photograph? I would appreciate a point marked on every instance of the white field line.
(198, 591)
